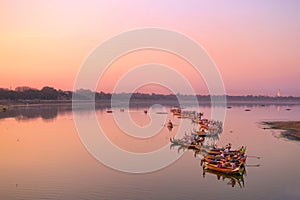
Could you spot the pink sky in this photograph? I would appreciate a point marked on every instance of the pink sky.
(255, 44)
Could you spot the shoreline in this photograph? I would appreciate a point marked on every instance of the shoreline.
(291, 129)
(146, 102)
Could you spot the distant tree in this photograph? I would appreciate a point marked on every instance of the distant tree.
(23, 88)
(49, 93)
(31, 94)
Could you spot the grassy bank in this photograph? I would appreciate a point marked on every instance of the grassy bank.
(291, 128)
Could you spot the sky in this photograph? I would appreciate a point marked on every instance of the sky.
(255, 44)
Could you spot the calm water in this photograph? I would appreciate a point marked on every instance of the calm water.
(42, 157)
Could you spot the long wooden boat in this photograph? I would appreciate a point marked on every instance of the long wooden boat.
(209, 135)
(215, 160)
(228, 170)
(219, 152)
(175, 111)
(186, 145)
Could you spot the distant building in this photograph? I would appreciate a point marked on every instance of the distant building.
(278, 93)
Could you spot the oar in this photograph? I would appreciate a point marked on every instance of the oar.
(253, 157)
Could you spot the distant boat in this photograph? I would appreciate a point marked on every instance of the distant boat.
(109, 111)
(175, 110)
(170, 125)
(4, 108)
(161, 113)
(145, 111)
(247, 110)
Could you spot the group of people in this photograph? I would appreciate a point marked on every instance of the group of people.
(227, 159)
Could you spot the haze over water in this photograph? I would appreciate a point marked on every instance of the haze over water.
(42, 157)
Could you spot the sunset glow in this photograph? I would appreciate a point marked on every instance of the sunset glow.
(255, 44)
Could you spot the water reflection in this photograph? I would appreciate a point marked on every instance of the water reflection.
(30, 113)
(43, 157)
(50, 112)
(229, 179)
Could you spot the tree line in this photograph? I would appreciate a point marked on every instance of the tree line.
(50, 93)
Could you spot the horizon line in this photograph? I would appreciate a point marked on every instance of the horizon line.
(24, 88)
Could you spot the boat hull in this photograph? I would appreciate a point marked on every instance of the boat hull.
(227, 170)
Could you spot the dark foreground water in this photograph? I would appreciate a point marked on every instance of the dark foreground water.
(42, 157)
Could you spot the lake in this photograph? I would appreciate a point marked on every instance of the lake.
(43, 156)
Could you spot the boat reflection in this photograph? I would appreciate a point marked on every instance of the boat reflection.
(230, 179)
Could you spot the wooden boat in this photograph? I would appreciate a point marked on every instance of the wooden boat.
(219, 152)
(180, 116)
(109, 111)
(203, 134)
(185, 144)
(214, 160)
(161, 113)
(170, 125)
(175, 111)
(228, 170)
(4, 108)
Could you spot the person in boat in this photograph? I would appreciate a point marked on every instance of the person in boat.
(201, 139)
(193, 142)
(243, 149)
(217, 148)
(223, 164)
(223, 154)
(228, 146)
(233, 165)
(228, 158)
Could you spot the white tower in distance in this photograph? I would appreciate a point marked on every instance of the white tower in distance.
(278, 93)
